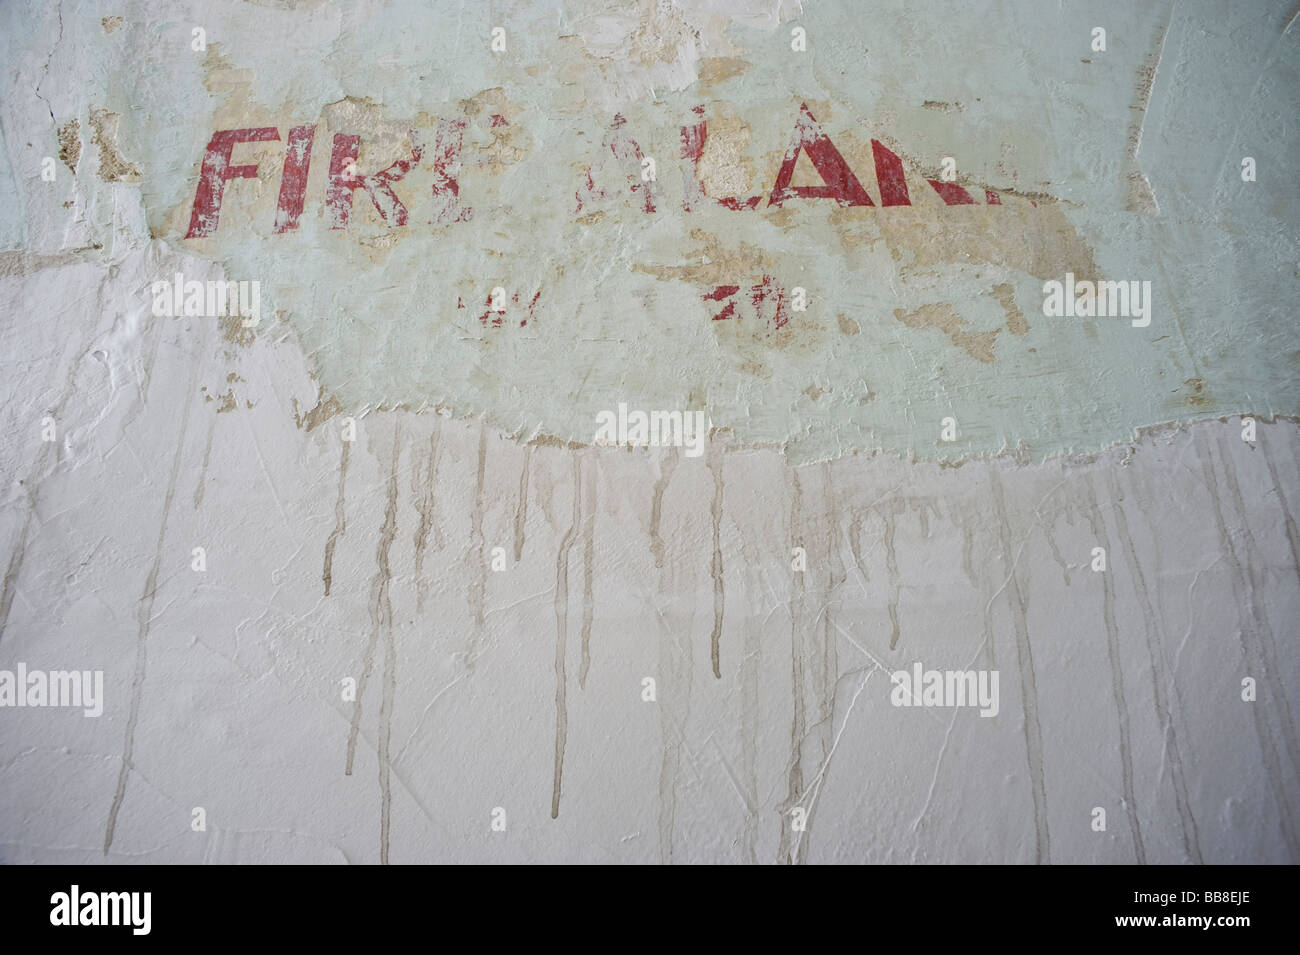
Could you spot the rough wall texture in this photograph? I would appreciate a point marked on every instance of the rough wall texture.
(429, 597)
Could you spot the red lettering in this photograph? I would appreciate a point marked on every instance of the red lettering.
(447, 140)
(951, 193)
(767, 297)
(763, 294)
(216, 170)
(692, 150)
(720, 293)
(889, 174)
(293, 178)
(628, 153)
(495, 316)
(840, 183)
(626, 150)
(344, 181)
(587, 192)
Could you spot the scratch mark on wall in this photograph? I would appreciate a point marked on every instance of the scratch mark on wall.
(588, 571)
(145, 619)
(203, 469)
(381, 613)
(1028, 686)
(45, 71)
(1154, 640)
(1141, 197)
(1116, 679)
(887, 513)
(521, 509)
(423, 484)
(789, 849)
(561, 628)
(1287, 516)
(1268, 645)
(835, 579)
(340, 521)
(750, 665)
(667, 464)
(478, 560)
(1253, 652)
(15, 566)
(719, 597)
(815, 787)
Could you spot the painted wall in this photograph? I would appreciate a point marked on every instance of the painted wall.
(497, 584)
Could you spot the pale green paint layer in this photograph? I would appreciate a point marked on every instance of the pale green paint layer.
(1039, 112)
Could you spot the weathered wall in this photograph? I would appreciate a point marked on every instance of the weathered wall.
(522, 688)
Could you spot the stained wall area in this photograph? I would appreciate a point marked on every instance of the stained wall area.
(366, 584)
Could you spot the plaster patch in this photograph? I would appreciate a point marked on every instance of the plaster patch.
(113, 166)
(945, 318)
(70, 143)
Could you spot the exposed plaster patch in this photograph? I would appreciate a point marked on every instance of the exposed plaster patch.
(1040, 241)
(70, 143)
(944, 317)
(1196, 396)
(719, 69)
(724, 169)
(113, 167)
(29, 263)
(661, 46)
(327, 406)
(710, 263)
(1006, 295)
